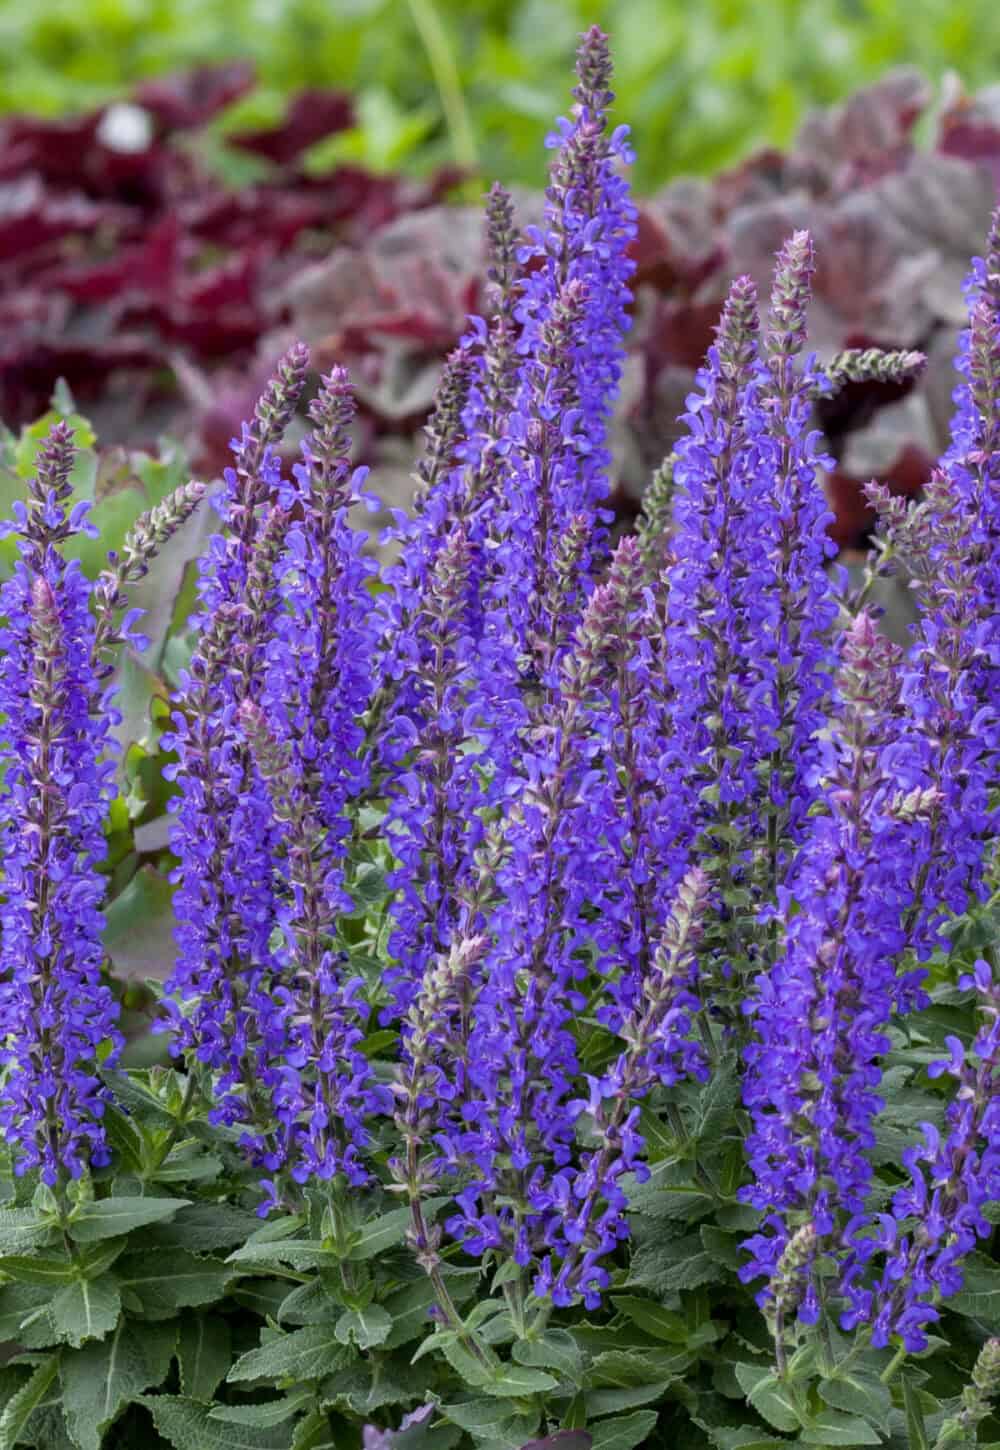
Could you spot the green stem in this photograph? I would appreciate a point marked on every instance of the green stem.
(190, 1088)
(893, 1365)
(434, 37)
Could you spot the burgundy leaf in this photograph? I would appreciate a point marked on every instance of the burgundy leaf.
(311, 115)
(188, 99)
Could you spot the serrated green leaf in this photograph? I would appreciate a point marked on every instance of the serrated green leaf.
(717, 1101)
(381, 1234)
(479, 1416)
(187, 1163)
(599, 1403)
(769, 1397)
(20, 1408)
(832, 1428)
(556, 1349)
(25, 1315)
(109, 1218)
(202, 1227)
(979, 1297)
(858, 1394)
(746, 1437)
(87, 1309)
(263, 1416)
(188, 1425)
(364, 1327)
(666, 1267)
(204, 1353)
(102, 1378)
(305, 1354)
(624, 1434)
(630, 1368)
(653, 1318)
(166, 1281)
(314, 1433)
(22, 1229)
(39, 1269)
(300, 1254)
(308, 1303)
(518, 1379)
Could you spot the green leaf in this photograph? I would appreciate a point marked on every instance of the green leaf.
(979, 1297)
(188, 1426)
(516, 1380)
(665, 1267)
(915, 1429)
(628, 1369)
(614, 1402)
(22, 1229)
(769, 1397)
(479, 1416)
(858, 1394)
(305, 1354)
(717, 1101)
(624, 1434)
(101, 1379)
(187, 1163)
(20, 1408)
(107, 1218)
(203, 1227)
(314, 1433)
(204, 1353)
(381, 1234)
(308, 1303)
(263, 1416)
(556, 1349)
(364, 1327)
(746, 1437)
(833, 1428)
(25, 1315)
(301, 1254)
(653, 1318)
(164, 1282)
(39, 1269)
(88, 1309)
(139, 929)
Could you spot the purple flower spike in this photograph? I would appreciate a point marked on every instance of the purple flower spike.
(57, 1017)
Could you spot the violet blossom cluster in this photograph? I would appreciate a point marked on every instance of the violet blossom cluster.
(57, 1016)
(267, 734)
(680, 791)
(901, 843)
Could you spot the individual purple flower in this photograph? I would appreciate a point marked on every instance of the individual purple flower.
(57, 1016)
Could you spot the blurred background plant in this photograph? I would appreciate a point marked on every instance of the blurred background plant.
(472, 81)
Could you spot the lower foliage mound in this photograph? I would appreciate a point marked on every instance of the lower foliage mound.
(583, 1013)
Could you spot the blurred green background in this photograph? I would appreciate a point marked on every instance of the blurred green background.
(701, 81)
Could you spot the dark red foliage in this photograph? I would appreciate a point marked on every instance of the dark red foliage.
(120, 251)
(163, 296)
